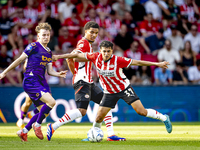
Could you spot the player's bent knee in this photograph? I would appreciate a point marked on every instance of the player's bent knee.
(83, 111)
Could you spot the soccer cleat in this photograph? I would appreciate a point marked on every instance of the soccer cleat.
(50, 131)
(115, 138)
(20, 123)
(38, 132)
(29, 115)
(85, 140)
(168, 124)
(23, 136)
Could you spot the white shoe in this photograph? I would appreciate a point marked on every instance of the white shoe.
(20, 123)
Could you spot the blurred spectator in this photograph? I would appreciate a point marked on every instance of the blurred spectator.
(95, 47)
(194, 38)
(149, 26)
(84, 7)
(166, 27)
(65, 42)
(177, 41)
(180, 75)
(190, 9)
(169, 54)
(5, 60)
(194, 73)
(65, 10)
(120, 7)
(102, 36)
(5, 24)
(13, 38)
(143, 75)
(112, 24)
(73, 24)
(153, 43)
(53, 43)
(162, 76)
(23, 23)
(184, 26)
(133, 54)
(131, 24)
(55, 23)
(179, 2)
(30, 12)
(2, 41)
(19, 50)
(12, 10)
(188, 57)
(43, 6)
(103, 9)
(123, 39)
(156, 7)
(13, 77)
(173, 9)
(92, 16)
(138, 11)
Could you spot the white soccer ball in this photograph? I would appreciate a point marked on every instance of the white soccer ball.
(95, 134)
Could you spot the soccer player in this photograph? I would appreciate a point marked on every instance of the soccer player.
(85, 89)
(35, 85)
(115, 84)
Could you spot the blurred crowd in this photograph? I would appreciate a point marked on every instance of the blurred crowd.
(152, 30)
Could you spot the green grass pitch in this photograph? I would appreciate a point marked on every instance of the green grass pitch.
(140, 136)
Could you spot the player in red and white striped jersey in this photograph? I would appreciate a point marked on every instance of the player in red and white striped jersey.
(116, 85)
(85, 89)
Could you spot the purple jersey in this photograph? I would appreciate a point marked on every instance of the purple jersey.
(34, 82)
(38, 58)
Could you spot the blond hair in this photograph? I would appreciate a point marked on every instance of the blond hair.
(45, 26)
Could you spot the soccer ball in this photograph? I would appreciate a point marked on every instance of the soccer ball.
(95, 134)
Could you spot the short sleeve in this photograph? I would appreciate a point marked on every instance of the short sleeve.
(91, 56)
(123, 62)
(82, 47)
(29, 49)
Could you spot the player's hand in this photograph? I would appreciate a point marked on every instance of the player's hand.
(2, 75)
(163, 64)
(54, 58)
(63, 74)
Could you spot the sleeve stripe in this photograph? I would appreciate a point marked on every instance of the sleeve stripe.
(25, 54)
(86, 56)
(129, 63)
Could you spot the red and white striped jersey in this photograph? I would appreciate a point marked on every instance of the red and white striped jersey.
(82, 70)
(112, 78)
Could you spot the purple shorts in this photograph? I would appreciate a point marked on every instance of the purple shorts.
(34, 86)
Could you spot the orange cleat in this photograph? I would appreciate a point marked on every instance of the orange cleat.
(23, 136)
(29, 115)
(38, 132)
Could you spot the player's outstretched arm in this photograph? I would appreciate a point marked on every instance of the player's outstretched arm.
(52, 72)
(163, 64)
(72, 55)
(13, 65)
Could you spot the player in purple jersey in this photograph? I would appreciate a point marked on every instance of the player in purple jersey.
(35, 85)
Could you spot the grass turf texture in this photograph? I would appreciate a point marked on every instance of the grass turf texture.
(140, 136)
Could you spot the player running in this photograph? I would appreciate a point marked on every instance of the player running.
(34, 83)
(85, 89)
(115, 84)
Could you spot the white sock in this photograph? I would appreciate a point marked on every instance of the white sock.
(32, 113)
(67, 117)
(151, 113)
(109, 123)
(98, 125)
(25, 130)
(37, 124)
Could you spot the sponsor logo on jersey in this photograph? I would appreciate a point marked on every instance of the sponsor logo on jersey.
(80, 45)
(108, 73)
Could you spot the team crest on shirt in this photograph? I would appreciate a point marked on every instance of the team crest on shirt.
(80, 45)
(127, 59)
(37, 94)
(87, 96)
